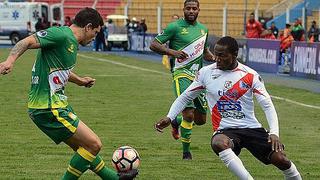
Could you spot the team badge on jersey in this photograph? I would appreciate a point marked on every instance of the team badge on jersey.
(42, 33)
(202, 31)
(184, 31)
(228, 84)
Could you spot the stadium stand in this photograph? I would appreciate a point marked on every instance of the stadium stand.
(211, 13)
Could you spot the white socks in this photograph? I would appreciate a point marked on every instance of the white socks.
(234, 164)
(292, 173)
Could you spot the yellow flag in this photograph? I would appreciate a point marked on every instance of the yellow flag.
(165, 61)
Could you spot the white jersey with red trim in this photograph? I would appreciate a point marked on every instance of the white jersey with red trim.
(230, 98)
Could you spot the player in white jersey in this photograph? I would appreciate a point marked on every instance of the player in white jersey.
(229, 87)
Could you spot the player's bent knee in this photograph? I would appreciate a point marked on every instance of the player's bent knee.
(280, 160)
(94, 146)
(188, 114)
(219, 144)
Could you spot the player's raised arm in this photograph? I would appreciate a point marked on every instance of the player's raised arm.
(81, 81)
(29, 42)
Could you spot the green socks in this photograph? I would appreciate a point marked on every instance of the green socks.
(79, 163)
(186, 130)
(82, 160)
(98, 167)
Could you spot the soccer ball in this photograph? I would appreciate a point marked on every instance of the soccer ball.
(125, 158)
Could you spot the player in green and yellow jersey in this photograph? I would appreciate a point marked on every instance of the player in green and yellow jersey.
(188, 46)
(48, 105)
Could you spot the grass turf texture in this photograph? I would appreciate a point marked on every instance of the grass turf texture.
(122, 108)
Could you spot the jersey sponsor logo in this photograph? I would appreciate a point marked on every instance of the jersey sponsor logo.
(57, 80)
(230, 109)
(233, 94)
(42, 33)
(184, 31)
(229, 105)
(194, 50)
(233, 114)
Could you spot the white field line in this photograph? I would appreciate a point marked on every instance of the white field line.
(159, 72)
(125, 65)
(295, 102)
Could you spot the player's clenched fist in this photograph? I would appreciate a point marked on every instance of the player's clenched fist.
(162, 123)
(5, 67)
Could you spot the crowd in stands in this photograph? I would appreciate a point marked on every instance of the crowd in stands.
(294, 32)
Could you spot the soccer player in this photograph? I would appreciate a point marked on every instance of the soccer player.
(188, 45)
(48, 106)
(230, 87)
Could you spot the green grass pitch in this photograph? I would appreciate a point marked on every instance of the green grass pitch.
(122, 108)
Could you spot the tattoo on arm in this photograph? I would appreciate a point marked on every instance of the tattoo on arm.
(19, 48)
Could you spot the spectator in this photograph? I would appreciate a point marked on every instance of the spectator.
(285, 38)
(110, 27)
(253, 27)
(100, 40)
(267, 34)
(39, 25)
(133, 25)
(313, 33)
(274, 30)
(132, 28)
(298, 31)
(67, 21)
(143, 29)
(143, 26)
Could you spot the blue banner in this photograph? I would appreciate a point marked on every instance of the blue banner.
(305, 60)
(263, 55)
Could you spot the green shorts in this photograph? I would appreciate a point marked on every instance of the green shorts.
(180, 84)
(59, 124)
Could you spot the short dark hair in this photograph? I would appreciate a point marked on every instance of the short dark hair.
(86, 16)
(230, 43)
(196, 1)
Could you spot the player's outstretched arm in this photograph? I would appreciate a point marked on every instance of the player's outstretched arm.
(29, 42)
(81, 81)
